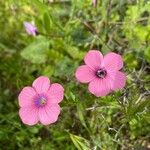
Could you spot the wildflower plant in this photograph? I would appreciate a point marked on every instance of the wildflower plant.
(74, 74)
(102, 73)
(39, 103)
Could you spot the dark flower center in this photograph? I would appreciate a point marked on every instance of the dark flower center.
(40, 101)
(101, 73)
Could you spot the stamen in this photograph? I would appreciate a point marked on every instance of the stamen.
(40, 101)
(101, 73)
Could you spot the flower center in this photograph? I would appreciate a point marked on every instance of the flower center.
(101, 73)
(40, 101)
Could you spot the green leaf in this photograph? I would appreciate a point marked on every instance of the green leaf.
(39, 6)
(47, 22)
(80, 142)
(147, 54)
(130, 60)
(80, 110)
(36, 52)
(74, 52)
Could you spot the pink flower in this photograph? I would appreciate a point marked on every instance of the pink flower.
(102, 73)
(94, 2)
(30, 28)
(39, 103)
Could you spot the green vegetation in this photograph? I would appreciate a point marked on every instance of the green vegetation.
(67, 30)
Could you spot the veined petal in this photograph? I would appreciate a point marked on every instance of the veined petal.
(85, 74)
(118, 80)
(41, 84)
(93, 59)
(55, 93)
(113, 61)
(26, 96)
(29, 115)
(49, 114)
(100, 87)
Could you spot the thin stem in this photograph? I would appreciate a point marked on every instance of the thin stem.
(48, 35)
(95, 33)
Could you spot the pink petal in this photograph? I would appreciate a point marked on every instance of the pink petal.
(113, 61)
(29, 115)
(99, 87)
(118, 80)
(26, 96)
(55, 93)
(41, 84)
(30, 28)
(49, 114)
(93, 59)
(85, 74)
(94, 2)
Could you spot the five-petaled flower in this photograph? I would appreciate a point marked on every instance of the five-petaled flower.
(40, 103)
(101, 72)
(30, 28)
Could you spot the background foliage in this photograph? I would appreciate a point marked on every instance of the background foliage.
(67, 30)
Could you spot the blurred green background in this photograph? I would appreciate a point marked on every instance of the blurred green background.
(68, 29)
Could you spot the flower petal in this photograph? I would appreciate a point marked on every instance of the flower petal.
(55, 93)
(93, 59)
(26, 96)
(99, 87)
(41, 84)
(94, 2)
(49, 114)
(85, 74)
(113, 61)
(30, 28)
(29, 115)
(118, 80)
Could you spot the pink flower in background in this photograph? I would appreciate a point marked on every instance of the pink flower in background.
(101, 72)
(30, 28)
(39, 103)
(94, 2)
